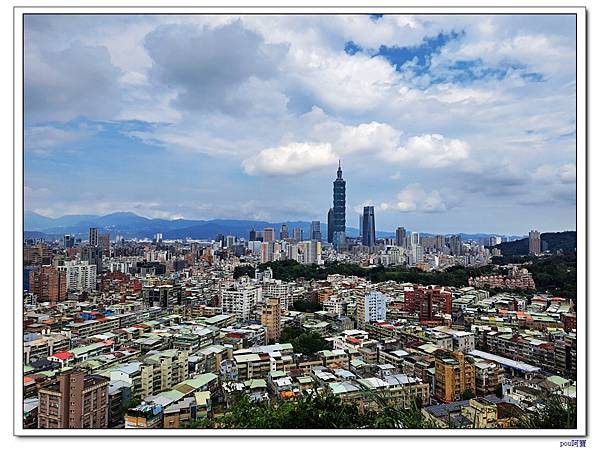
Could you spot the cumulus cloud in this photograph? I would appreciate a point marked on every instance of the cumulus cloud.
(413, 198)
(429, 151)
(204, 64)
(549, 174)
(294, 158)
(77, 81)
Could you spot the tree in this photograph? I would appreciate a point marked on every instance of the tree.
(307, 342)
(468, 394)
(555, 411)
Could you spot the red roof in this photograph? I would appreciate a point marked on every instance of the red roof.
(63, 355)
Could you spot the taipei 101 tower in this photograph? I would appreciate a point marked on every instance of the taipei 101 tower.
(337, 215)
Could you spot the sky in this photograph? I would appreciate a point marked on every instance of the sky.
(445, 123)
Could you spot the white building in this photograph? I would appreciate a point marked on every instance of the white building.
(241, 300)
(81, 276)
(371, 307)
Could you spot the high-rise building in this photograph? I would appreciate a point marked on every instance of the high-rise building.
(456, 245)
(93, 239)
(49, 284)
(271, 319)
(371, 307)
(104, 243)
(76, 400)
(283, 232)
(93, 255)
(535, 242)
(298, 234)
(360, 225)
(454, 374)
(68, 241)
(431, 303)
(330, 220)
(315, 230)
(368, 236)
(339, 210)
(80, 276)
(269, 235)
(401, 237)
(309, 252)
(252, 235)
(241, 300)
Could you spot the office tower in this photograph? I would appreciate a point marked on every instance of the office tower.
(298, 234)
(68, 241)
(360, 225)
(270, 318)
(104, 243)
(76, 400)
(330, 220)
(339, 210)
(230, 241)
(49, 284)
(269, 235)
(368, 237)
(283, 232)
(315, 230)
(414, 239)
(252, 235)
(266, 252)
(535, 242)
(93, 255)
(401, 237)
(369, 308)
(93, 239)
(158, 237)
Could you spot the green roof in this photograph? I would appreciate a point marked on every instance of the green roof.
(255, 384)
(199, 381)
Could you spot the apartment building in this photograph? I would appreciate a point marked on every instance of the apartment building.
(162, 371)
(454, 374)
(76, 400)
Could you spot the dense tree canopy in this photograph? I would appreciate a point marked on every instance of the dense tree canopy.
(306, 342)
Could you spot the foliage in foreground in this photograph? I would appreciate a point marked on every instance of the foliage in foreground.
(557, 412)
(306, 342)
(315, 410)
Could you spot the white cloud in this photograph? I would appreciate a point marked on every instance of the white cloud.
(294, 158)
(549, 174)
(429, 151)
(414, 198)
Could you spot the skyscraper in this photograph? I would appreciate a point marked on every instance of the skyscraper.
(330, 220)
(400, 237)
(93, 236)
(360, 225)
(252, 236)
(535, 242)
(269, 235)
(339, 210)
(368, 236)
(283, 231)
(315, 230)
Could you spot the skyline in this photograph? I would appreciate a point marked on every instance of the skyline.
(443, 123)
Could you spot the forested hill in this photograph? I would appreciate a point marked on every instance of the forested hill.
(564, 240)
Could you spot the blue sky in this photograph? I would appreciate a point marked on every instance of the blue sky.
(444, 123)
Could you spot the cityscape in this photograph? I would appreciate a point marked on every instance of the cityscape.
(354, 312)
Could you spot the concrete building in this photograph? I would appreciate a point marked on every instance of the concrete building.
(76, 400)
(271, 319)
(371, 307)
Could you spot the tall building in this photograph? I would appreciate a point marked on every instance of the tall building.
(80, 276)
(93, 239)
(252, 235)
(298, 234)
(371, 307)
(339, 210)
(401, 237)
(269, 235)
(104, 243)
(535, 242)
(368, 235)
(330, 220)
(49, 284)
(93, 255)
(454, 374)
(68, 241)
(241, 300)
(309, 252)
(76, 400)
(271, 319)
(360, 225)
(456, 245)
(431, 303)
(283, 232)
(315, 230)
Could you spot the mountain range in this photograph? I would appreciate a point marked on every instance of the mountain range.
(131, 225)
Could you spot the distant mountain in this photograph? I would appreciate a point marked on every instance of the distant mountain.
(564, 240)
(131, 225)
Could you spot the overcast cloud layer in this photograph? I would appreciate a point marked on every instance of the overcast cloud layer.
(444, 123)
